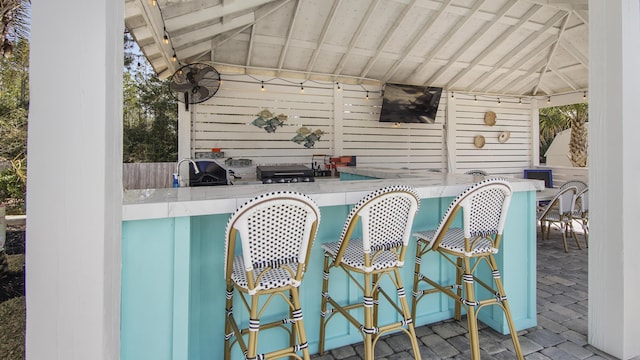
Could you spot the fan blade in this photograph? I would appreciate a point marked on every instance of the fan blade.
(180, 87)
(201, 73)
(203, 92)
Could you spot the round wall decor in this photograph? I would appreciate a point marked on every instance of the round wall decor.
(504, 136)
(478, 141)
(490, 118)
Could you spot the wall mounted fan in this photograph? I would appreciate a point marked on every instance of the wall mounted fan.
(195, 83)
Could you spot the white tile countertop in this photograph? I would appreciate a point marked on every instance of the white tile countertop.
(193, 201)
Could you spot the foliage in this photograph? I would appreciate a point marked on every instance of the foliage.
(14, 108)
(14, 24)
(150, 112)
(558, 118)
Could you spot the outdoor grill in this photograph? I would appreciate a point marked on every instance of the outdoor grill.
(274, 174)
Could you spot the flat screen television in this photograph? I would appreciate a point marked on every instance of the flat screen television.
(410, 103)
(540, 174)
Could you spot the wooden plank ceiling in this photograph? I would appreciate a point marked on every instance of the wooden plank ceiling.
(511, 47)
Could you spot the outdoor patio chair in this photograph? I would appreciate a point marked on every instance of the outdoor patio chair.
(559, 211)
(483, 208)
(276, 231)
(580, 212)
(580, 185)
(372, 244)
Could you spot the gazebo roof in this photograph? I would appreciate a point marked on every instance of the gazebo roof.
(511, 47)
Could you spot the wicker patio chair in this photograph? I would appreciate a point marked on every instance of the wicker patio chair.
(483, 208)
(580, 185)
(276, 231)
(558, 212)
(373, 244)
(580, 212)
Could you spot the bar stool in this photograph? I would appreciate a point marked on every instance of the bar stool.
(376, 251)
(276, 232)
(559, 212)
(484, 208)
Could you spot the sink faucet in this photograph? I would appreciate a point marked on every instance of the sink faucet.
(177, 174)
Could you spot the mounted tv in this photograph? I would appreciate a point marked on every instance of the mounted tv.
(410, 103)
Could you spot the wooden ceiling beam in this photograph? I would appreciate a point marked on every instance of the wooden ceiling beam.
(209, 32)
(494, 45)
(356, 37)
(563, 77)
(522, 46)
(424, 30)
(153, 19)
(568, 46)
(204, 15)
(283, 52)
(385, 40)
(552, 53)
(323, 35)
(522, 78)
(250, 47)
(417, 73)
(470, 42)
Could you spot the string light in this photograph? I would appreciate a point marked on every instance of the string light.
(301, 88)
(549, 100)
(499, 102)
(261, 85)
(153, 2)
(584, 96)
(174, 58)
(165, 38)
(367, 97)
(475, 98)
(339, 88)
(520, 101)
(452, 94)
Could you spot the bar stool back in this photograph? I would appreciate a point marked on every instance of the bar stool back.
(484, 208)
(276, 231)
(386, 217)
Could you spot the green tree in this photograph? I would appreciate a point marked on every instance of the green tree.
(558, 118)
(14, 108)
(150, 112)
(15, 23)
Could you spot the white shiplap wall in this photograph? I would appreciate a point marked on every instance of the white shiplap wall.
(508, 158)
(351, 126)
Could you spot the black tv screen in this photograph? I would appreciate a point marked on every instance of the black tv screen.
(410, 103)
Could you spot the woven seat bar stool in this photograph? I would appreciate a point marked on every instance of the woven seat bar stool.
(559, 212)
(484, 208)
(276, 232)
(476, 172)
(368, 255)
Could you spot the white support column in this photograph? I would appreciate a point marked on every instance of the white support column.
(74, 197)
(614, 90)
(535, 132)
(450, 126)
(338, 120)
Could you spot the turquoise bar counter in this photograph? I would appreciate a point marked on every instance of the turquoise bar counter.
(173, 291)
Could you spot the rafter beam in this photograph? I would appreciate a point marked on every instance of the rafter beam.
(205, 15)
(387, 37)
(432, 53)
(250, 47)
(551, 54)
(521, 47)
(563, 77)
(152, 18)
(323, 35)
(416, 39)
(283, 53)
(568, 46)
(494, 45)
(470, 41)
(513, 84)
(356, 37)
(209, 32)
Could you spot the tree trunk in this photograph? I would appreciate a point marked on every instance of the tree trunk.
(578, 143)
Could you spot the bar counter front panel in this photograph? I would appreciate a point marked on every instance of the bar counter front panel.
(173, 289)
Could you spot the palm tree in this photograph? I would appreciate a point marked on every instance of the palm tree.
(559, 118)
(15, 20)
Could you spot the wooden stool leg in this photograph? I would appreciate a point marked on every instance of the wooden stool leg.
(227, 322)
(457, 306)
(407, 315)
(368, 329)
(505, 307)
(323, 307)
(254, 327)
(298, 323)
(416, 279)
(471, 303)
